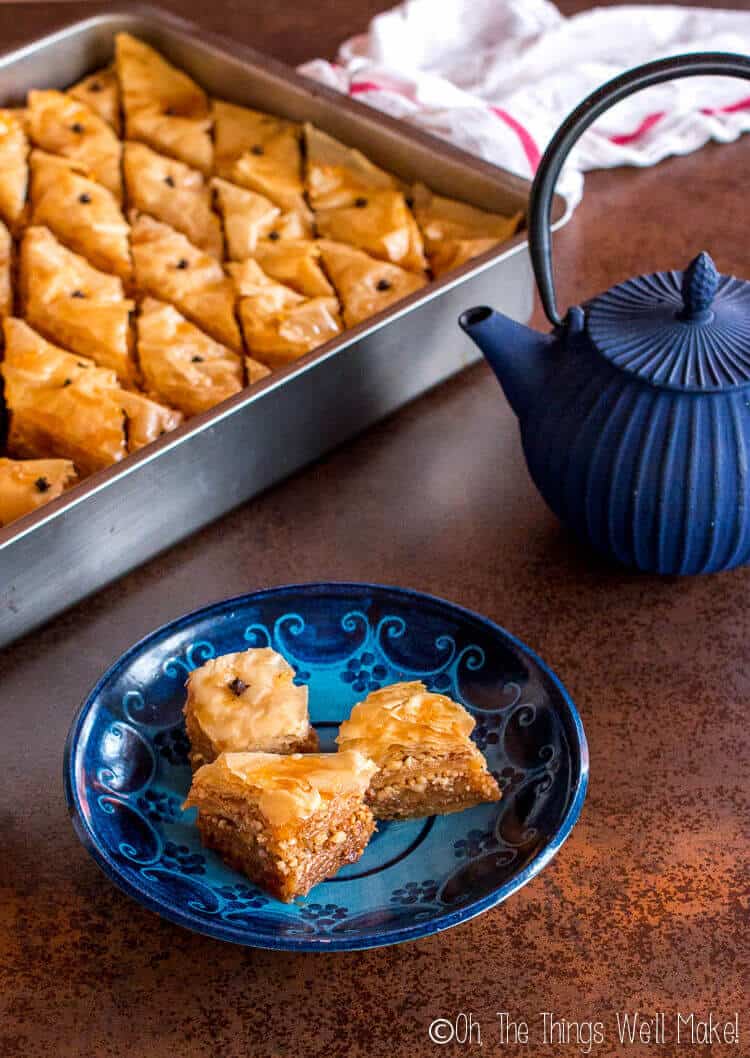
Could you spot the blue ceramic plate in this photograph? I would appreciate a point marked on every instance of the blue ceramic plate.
(126, 768)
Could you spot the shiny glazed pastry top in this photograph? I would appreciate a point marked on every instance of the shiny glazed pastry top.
(245, 698)
(284, 788)
(405, 715)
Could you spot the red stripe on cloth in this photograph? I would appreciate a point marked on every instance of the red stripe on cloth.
(730, 108)
(365, 86)
(530, 149)
(647, 123)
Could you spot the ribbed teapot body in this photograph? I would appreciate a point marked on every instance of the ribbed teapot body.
(653, 477)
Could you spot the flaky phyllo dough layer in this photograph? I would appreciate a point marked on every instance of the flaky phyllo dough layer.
(182, 248)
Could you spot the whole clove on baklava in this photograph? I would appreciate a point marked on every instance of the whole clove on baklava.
(246, 701)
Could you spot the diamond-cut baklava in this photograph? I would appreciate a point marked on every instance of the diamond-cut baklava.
(84, 215)
(285, 822)
(163, 107)
(279, 324)
(178, 248)
(72, 303)
(60, 124)
(246, 701)
(14, 170)
(420, 741)
(169, 267)
(26, 484)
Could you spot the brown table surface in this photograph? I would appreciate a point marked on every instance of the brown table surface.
(647, 905)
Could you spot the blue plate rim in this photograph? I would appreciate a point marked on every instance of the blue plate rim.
(388, 936)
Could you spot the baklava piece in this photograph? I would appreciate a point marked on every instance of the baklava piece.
(163, 107)
(263, 153)
(170, 268)
(63, 405)
(181, 364)
(84, 215)
(279, 324)
(296, 263)
(174, 193)
(365, 286)
(6, 272)
(75, 304)
(60, 124)
(420, 742)
(246, 701)
(287, 823)
(356, 202)
(145, 418)
(380, 223)
(249, 217)
(60, 405)
(101, 92)
(27, 484)
(454, 232)
(336, 174)
(14, 168)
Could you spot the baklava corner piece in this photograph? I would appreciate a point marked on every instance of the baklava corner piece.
(26, 484)
(101, 92)
(246, 701)
(286, 822)
(14, 167)
(163, 107)
(453, 232)
(427, 762)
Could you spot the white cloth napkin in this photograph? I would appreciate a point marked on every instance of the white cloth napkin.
(497, 77)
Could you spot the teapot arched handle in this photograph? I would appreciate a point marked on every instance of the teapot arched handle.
(593, 106)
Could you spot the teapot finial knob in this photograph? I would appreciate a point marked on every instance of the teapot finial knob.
(699, 284)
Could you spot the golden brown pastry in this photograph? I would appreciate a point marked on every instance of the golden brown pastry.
(279, 324)
(163, 107)
(6, 272)
(62, 125)
(336, 175)
(249, 217)
(173, 193)
(29, 483)
(145, 418)
(246, 701)
(82, 214)
(168, 267)
(60, 404)
(365, 286)
(101, 92)
(73, 303)
(421, 744)
(260, 152)
(14, 170)
(454, 232)
(182, 365)
(296, 263)
(287, 822)
(379, 222)
(255, 371)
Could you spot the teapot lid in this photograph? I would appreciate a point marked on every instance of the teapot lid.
(679, 330)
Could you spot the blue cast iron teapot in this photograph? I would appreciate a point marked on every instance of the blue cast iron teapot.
(635, 410)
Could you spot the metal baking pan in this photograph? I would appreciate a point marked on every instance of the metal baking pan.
(121, 516)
